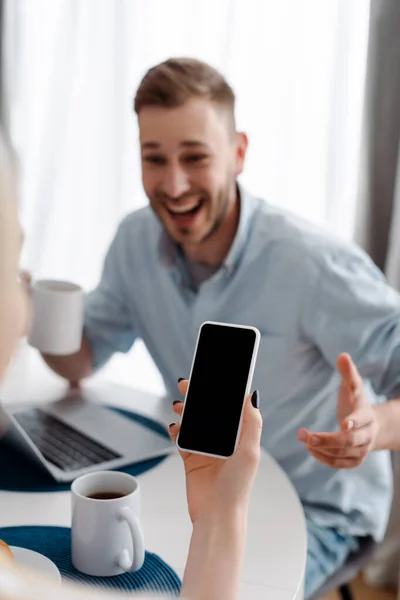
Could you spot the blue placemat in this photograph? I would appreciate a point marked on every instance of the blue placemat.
(55, 543)
(18, 474)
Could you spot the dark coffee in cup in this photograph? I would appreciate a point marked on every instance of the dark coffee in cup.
(105, 495)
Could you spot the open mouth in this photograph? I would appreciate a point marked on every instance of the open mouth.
(181, 213)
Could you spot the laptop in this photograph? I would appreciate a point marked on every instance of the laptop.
(74, 435)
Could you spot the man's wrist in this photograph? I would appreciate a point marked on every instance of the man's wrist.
(385, 420)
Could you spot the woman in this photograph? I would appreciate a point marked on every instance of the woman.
(218, 491)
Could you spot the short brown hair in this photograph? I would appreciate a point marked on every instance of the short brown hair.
(173, 82)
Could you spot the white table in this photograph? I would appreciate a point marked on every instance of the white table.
(275, 558)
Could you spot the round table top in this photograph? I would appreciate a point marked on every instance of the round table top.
(274, 563)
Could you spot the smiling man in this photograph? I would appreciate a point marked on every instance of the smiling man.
(190, 162)
(205, 249)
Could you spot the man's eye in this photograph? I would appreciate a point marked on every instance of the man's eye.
(196, 158)
(154, 160)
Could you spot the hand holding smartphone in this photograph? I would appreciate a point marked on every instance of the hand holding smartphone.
(220, 378)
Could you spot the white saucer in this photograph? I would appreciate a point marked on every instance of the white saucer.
(37, 561)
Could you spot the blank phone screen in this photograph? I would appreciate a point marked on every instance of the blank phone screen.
(216, 391)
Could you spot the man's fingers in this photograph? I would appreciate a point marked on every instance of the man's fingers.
(361, 417)
(351, 378)
(339, 439)
(302, 435)
(355, 452)
(322, 439)
(335, 462)
(182, 386)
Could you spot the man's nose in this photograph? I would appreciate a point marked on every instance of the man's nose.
(176, 182)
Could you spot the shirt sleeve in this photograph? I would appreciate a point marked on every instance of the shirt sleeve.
(108, 315)
(353, 309)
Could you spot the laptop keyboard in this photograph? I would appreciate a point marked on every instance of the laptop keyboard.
(60, 444)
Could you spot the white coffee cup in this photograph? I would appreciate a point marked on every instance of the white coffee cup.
(57, 317)
(106, 535)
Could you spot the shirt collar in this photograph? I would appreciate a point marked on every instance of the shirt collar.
(168, 249)
(240, 241)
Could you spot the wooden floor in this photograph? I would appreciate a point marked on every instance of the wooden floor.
(362, 592)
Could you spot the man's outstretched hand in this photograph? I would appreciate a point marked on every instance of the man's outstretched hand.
(357, 419)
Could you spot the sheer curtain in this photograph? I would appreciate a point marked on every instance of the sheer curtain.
(71, 68)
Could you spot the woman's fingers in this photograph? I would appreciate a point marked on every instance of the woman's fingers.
(173, 431)
(182, 386)
(177, 407)
(252, 421)
(252, 425)
(25, 279)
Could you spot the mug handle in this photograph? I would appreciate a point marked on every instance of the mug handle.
(135, 562)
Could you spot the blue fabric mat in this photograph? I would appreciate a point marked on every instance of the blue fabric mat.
(18, 474)
(55, 543)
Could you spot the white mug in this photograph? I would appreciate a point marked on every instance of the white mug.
(106, 535)
(57, 317)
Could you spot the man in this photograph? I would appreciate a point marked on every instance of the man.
(206, 250)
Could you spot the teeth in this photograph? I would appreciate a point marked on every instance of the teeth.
(178, 210)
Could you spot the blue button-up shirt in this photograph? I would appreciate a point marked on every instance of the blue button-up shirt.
(310, 295)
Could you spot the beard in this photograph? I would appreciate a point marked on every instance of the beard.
(214, 210)
(222, 204)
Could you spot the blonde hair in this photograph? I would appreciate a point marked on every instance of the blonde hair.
(9, 225)
(12, 309)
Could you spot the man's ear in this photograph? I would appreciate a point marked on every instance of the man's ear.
(241, 144)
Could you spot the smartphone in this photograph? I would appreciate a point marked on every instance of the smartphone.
(220, 379)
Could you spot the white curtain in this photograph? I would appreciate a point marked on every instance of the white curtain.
(72, 67)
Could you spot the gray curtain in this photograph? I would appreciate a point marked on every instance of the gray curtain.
(380, 143)
(378, 216)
